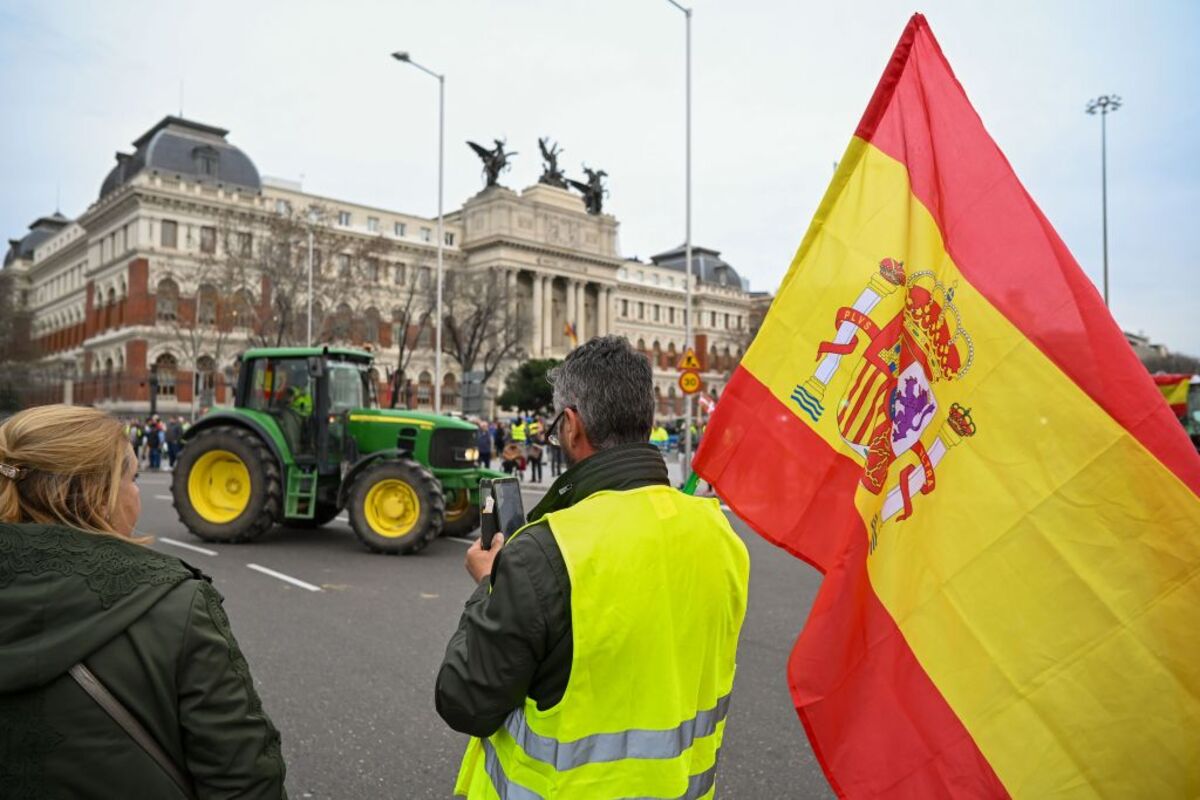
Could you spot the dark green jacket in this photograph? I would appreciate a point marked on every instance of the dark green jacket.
(152, 630)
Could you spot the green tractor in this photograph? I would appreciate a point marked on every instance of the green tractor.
(306, 438)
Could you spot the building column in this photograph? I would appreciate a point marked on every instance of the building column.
(535, 342)
(581, 310)
(547, 313)
(602, 311)
(570, 318)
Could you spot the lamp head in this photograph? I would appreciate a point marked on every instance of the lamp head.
(400, 55)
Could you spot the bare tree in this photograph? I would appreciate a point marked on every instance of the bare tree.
(17, 350)
(1172, 362)
(411, 319)
(482, 328)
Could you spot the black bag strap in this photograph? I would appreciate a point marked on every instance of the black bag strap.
(104, 698)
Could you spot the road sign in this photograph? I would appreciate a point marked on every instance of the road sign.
(688, 362)
(689, 382)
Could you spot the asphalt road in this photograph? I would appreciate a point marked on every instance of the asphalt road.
(347, 671)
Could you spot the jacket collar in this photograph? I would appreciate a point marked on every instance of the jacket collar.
(626, 466)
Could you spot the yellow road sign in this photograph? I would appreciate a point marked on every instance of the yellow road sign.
(689, 382)
(688, 361)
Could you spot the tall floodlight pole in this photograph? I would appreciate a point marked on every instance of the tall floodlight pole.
(310, 280)
(687, 242)
(1105, 104)
(441, 235)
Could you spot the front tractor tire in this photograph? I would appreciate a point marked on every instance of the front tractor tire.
(396, 507)
(226, 486)
(462, 516)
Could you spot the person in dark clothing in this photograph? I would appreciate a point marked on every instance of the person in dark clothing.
(556, 459)
(536, 452)
(483, 443)
(516, 650)
(149, 628)
(174, 436)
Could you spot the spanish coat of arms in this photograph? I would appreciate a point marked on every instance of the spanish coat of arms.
(890, 401)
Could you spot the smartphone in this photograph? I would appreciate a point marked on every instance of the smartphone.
(503, 510)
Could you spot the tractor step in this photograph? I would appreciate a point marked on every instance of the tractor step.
(300, 500)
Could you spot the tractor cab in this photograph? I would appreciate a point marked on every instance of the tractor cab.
(306, 439)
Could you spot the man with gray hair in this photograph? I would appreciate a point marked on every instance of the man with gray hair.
(596, 657)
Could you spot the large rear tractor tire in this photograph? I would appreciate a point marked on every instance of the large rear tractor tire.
(396, 507)
(226, 486)
(462, 516)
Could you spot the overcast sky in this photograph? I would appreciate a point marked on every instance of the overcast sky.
(308, 90)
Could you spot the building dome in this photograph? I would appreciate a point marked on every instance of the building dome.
(707, 266)
(41, 230)
(176, 146)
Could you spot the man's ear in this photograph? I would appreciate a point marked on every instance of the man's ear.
(578, 432)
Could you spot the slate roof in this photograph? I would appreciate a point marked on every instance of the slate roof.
(179, 146)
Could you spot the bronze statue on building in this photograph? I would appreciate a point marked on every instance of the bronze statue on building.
(494, 160)
(593, 191)
(551, 174)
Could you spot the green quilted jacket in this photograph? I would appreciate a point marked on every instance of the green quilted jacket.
(152, 629)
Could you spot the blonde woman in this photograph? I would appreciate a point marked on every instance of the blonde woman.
(84, 604)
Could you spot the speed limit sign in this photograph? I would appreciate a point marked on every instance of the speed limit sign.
(689, 382)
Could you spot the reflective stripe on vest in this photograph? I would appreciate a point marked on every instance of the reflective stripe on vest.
(653, 661)
(698, 785)
(598, 747)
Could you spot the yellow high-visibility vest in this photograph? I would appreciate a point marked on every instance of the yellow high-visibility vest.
(535, 427)
(518, 432)
(653, 661)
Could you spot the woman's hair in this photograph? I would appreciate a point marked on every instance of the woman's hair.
(69, 461)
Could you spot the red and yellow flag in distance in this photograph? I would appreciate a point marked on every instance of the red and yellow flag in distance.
(939, 414)
(1174, 388)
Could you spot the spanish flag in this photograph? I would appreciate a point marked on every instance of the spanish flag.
(1174, 388)
(940, 415)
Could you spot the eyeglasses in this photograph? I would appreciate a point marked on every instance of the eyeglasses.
(552, 431)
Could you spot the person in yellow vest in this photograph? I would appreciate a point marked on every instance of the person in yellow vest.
(597, 655)
(519, 431)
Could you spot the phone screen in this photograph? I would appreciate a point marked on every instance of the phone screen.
(510, 510)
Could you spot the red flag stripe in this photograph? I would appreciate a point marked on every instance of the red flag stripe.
(853, 676)
(1017, 261)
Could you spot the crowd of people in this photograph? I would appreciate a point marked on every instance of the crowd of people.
(154, 439)
(521, 447)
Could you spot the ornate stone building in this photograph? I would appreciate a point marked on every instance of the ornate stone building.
(123, 303)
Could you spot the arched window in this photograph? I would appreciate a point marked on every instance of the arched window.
(242, 311)
(424, 389)
(108, 377)
(206, 305)
(713, 358)
(371, 325)
(342, 319)
(449, 391)
(166, 300)
(657, 354)
(164, 366)
(206, 379)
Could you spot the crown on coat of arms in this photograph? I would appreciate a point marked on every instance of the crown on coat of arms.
(932, 322)
(892, 271)
(960, 421)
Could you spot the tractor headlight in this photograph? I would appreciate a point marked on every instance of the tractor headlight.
(470, 454)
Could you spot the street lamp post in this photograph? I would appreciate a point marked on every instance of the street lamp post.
(687, 242)
(441, 235)
(1104, 104)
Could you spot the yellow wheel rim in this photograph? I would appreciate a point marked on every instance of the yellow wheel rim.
(392, 508)
(457, 504)
(219, 486)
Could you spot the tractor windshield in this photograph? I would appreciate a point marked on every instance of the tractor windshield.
(351, 386)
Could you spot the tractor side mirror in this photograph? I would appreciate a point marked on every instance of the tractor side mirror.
(316, 368)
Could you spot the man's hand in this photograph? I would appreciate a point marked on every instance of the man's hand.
(479, 561)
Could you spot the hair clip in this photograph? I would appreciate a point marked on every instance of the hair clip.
(11, 472)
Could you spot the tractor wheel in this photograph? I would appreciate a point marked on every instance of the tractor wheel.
(226, 486)
(396, 507)
(462, 516)
(323, 515)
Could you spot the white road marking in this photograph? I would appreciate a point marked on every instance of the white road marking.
(162, 497)
(725, 507)
(286, 578)
(187, 546)
(459, 539)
